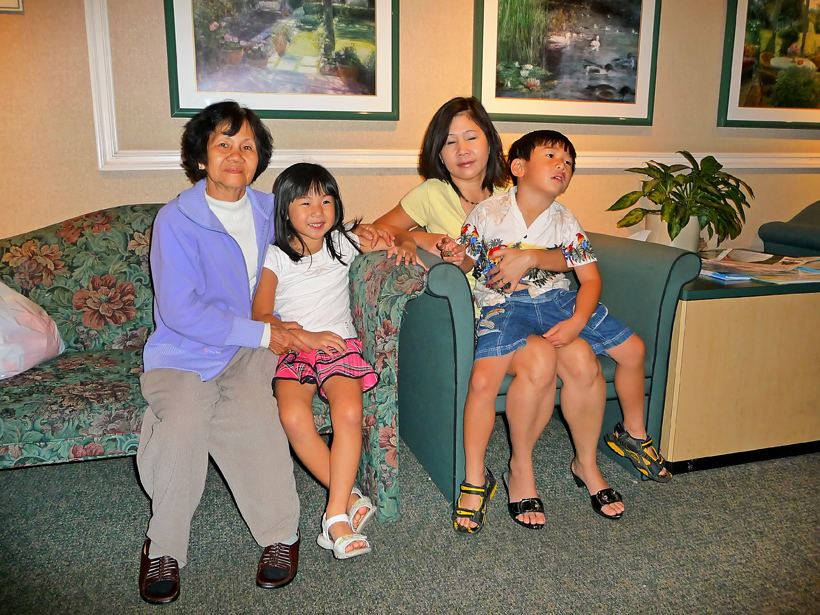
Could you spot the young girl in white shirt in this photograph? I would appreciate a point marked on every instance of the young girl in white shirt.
(304, 283)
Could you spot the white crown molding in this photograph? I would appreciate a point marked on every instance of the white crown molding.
(111, 158)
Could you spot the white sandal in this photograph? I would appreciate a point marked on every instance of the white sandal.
(338, 547)
(362, 502)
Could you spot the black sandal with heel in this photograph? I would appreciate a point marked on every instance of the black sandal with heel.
(601, 499)
(527, 505)
(478, 516)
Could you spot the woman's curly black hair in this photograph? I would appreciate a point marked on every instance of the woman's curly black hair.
(431, 166)
(299, 180)
(231, 115)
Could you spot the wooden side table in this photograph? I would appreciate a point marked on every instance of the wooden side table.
(744, 369)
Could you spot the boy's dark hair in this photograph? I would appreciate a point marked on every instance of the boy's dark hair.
(525, 146)
(298, 180)
(431, 165)
(199, 128)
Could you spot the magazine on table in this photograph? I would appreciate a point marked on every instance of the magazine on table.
(750, 262)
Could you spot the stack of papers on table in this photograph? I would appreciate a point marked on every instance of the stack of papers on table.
(736, 265)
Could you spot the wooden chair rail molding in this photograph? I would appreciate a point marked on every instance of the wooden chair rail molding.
(111, 158)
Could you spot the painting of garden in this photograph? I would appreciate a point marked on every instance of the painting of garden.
(285, 47)
(781, 54)
(568, 49)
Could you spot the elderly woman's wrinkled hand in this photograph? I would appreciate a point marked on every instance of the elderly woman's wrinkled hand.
(282, 339)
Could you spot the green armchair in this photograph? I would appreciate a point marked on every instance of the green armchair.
(642, 282)
(800, 236)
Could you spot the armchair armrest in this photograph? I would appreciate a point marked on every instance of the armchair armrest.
(642, 283)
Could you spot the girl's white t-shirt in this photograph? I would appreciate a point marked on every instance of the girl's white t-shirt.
(315, 292)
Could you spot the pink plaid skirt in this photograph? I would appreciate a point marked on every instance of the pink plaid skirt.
(317, 366)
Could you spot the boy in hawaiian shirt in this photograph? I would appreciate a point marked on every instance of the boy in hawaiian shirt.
(513, 227)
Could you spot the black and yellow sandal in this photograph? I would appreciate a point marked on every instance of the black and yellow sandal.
(646, 459)
(486, 492)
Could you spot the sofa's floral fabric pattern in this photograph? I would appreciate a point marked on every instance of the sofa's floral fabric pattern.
(81, 405)
(91, 274)
(379, 292)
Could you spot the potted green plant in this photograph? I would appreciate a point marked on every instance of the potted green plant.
(682, 192)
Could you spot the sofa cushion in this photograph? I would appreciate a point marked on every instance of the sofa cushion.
(90, 274)
(78, 406)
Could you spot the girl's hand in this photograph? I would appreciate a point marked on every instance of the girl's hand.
(506, 275)
(371, 233)
(406, 252)
(564, 332)
(451, 251)
(323, 340)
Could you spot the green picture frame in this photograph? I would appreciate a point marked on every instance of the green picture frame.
(594, 67)
(751, 78)
(295, 80)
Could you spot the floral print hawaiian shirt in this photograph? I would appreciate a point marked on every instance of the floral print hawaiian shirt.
(497, 222)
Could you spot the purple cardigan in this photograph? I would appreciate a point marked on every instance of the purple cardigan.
(202, 303)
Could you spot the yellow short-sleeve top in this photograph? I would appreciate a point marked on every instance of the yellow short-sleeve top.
(435, 206)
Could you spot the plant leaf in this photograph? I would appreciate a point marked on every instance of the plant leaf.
(710, 165)
(633, 217)
(627, 200)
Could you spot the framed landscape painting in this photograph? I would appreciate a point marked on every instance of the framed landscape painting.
(770, 59)
(285, 58)
(578, 61)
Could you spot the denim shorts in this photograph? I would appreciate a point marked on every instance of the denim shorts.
(503, 329)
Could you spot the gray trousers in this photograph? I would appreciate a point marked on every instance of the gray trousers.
(235, 419)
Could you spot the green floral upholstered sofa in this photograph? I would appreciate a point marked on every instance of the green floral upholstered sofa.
(91, 274)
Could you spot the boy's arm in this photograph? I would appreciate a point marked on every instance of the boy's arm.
(589, 293)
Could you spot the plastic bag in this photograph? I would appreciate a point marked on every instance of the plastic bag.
(28, 336)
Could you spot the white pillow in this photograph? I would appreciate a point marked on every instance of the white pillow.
(28, 336)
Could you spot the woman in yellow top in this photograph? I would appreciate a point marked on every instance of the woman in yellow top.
(462, 161)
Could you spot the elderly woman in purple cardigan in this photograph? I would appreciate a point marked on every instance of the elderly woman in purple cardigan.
(208, 365)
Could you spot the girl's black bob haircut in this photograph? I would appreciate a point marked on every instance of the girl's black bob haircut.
(298, 180)
(431, 165)
(231, 115)
(525, 146)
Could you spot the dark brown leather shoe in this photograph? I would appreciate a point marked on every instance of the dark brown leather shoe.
(159, 578)
(278, 564)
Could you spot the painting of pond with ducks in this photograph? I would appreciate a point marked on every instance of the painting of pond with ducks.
(771, 57)
(334, 59)
(579, 61)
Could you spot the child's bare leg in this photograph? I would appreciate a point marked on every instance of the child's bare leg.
(345, 398)
(584, 414)
(295, 402)
(630, 386)
(530, 402)
(479, 418)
